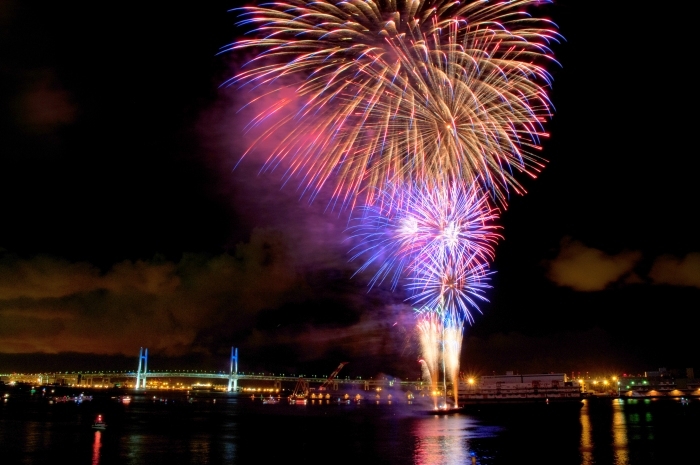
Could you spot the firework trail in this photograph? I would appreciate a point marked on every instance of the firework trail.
(425, 372)
(430, 330)
(402, 93)
(452, 348)
(441, 344)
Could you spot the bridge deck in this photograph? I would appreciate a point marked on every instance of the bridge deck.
(380, 382)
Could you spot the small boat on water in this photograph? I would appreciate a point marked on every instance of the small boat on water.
(77, 399)
(444, 411)
(270, 400)
(99, 423)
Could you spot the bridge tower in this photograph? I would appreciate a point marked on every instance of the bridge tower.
(143, 362)
(233, 374)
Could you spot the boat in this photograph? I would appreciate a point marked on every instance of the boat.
(203, 387)
(77, 399)
(99, 423)
(442, 410)
(301, 393)
(270, 400)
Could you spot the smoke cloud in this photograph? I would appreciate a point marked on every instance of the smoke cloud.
(587, 269)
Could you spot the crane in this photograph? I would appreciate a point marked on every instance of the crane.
(301, 390)
(324, 386)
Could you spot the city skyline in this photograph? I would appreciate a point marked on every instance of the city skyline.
(126, 225)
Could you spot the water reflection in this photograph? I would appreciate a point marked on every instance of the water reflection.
(619, 433)
(96, 446)
(199, 449)
(605, 441)
(603, 431)
(446, 439)
(134, 445)
(229, 451)
(586, 444)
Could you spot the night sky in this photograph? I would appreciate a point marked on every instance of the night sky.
(123, 223)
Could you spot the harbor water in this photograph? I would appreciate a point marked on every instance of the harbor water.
(156, 427)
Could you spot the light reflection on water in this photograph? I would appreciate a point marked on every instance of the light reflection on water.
(619, 433)
(440, 439)
(96, 446)
(199, 448)
(445, 439)
(594, 446)
(586, 437)
(33, 439)
(601, 432)
(132, 443)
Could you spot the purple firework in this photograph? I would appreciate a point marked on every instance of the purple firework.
(441, 239)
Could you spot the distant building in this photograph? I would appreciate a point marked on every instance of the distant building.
(662, 382)
(553, 387)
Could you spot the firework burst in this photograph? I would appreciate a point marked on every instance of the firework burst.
(424, 113)
(452, 285)
(425, 229)
(402, 93)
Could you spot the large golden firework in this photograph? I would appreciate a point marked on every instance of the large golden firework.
(397, 93)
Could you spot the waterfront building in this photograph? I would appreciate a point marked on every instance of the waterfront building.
(552, 387)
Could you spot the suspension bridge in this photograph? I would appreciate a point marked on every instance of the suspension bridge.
(142, 374)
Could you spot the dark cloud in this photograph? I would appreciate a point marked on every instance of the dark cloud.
(46, 277)
(282, 315)
(587, 269)
(45, 105)
(583, 268)
(675, 271)
(159, 304)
